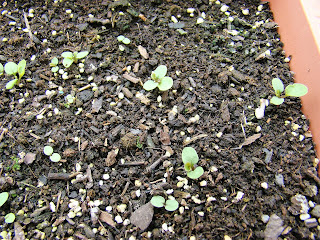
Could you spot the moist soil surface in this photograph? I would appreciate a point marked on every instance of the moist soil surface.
(120, 145)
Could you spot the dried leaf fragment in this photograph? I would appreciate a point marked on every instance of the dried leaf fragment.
(164, 136)
(249, 140)
(96, 105)
(142, 217)
(131, 78)
(111, 158)
(107, 218)
(29, 158)
(143, 52)
(143, 98)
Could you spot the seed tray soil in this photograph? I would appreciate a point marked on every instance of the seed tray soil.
(121, 145)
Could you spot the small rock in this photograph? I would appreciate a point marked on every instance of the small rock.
(316, 211)
(142, 217)
(304, 216)
(279, 180)
(274, 228)
(311, 222)
(299, 205)
(29, 158)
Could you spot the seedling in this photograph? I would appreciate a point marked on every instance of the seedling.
(159, 201)
(69, 100)
(54, 157)
(1, 69)
(10, 217)
(72, 57)
(54, 64)
(159, 80)
(292, 90)
(189, 159)
(15, 166)
(12, 68)
(123, 39)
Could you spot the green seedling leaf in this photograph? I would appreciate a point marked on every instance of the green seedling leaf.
(150, 85)
(296, 90)
(158, 201)
(1, 69)
(55, 157)
(3, 198)
(276, 101)
(55, 69)
(159, 73)
(165, 84)
(188, 166)
(22, 68)
(67, 55)
(11, 68)
(48, 150)
(171, 205)
(9, 218)
(54, 62)
(81, 55)
(67, 62)
(277, 86)
(11, 84)
(195, 173)
(120, 38)
(189, 155)
(126, 41)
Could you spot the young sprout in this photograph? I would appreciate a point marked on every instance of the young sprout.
(3, 198)
(9, 218)
(170, 205)
(1, 69)
(12, 68)
(72, 57)
(54, 157)
(189, 159)
(159, 80)
(123, 39)
(292, 90)
(54, 64)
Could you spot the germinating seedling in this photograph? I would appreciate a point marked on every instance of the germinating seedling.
(159, 79)
(54, 157)
(189, 159)
(169, 205)
(123, 39)
(10, 217)
(54, 64)
(72, 57)
(292, 90)
(12, 68)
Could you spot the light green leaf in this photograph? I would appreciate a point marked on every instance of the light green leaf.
(22, 68)
(188, 166)
(11, 68)
(296, 90)
(67, 62)
(55, 157)
(83, 54)
(150, 85)
(120, 38)
(171, 205)
(55, 69)
(189, 155)
(48, 150)
(11, 84)
(277, 86)
(126, 41)
(276, 101)
(158, 201)
(1, 69)
(54, 62)
(196, 173)
(9, 218)
(160, 72)
(165, 84)
(3, 198)
(67, 55)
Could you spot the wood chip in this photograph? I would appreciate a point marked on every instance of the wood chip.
(142, 217)
(96, 105)
(143, 52)
(131, 78)
(249, 140)
(143, 98)
(107, 218)
(111, 158)
(18, 231)
(164, 136)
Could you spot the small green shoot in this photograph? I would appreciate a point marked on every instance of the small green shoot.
(69, 100)
(292, 90)
(9, 218)
(15, 166)
(54, 64)
(54, 157)
(72, 57)
(12, 68)
(159, 79)
(159, 201)
(139, 144)
(3, 198)
(123, 39)
(1, 69)
(189, 159)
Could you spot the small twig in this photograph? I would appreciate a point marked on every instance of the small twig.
(4, 130)
(38, 211)
(125, 189)
(155, 164)
(28, 27)
(133, 163)
(312, 175)
(62, 176)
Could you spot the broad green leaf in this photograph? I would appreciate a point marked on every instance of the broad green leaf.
(11, 68)
(81, 55)
(67, 62)
(22, 68)
(9, 218)
(171, 205)
(54, 62)
(3, 198)
(55, 69)
(276, 101)
(11, 83)
(150, 85)
(160, 71)
(48, 150)
(296, 90)
(165, 84)
(189, 155)
(120, 38)
(196, 173)
(55, 157)
(277, 86)
(67, 55)
(158, 201)
(1, 69)
(126, 41)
